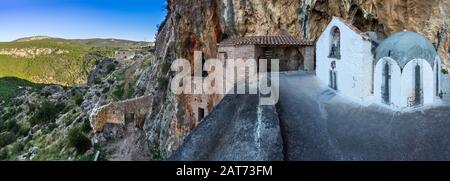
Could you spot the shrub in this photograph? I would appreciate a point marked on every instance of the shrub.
(156, 154)
(165, 67)
(78, 99)
(163, 23)
(46, 113)
(45, 94)
(119, 92)
(10, 125)
(97, 80)
(110, 67)
(11, 113)
(7, 138)
(78, 140)
(18, 147)
(86, 126)
(132, 88)
(147, 63)
(3, 154)
(119, 74)
(162, 83)
(444, 71)
(23, 130)
(33, 107)
(105, 90)
(51, 127)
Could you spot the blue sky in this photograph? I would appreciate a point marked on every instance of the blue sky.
(123, 19)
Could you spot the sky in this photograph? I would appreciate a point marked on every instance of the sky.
(72, 19)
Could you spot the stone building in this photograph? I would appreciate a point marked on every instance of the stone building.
(401, 71)
(294, 54)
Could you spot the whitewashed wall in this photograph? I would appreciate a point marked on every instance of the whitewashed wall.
(395, 84)
(354, 69)
(408, 78)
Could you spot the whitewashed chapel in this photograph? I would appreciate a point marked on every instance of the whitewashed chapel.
(403, 70)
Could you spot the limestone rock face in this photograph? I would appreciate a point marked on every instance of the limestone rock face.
(428, 18)
(31, 52)
(198, 25)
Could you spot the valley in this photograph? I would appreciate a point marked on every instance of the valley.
(49, 86)
(41, 60)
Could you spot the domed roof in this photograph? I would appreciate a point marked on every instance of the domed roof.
(406, 46)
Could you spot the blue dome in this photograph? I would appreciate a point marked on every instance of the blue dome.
(406, 46)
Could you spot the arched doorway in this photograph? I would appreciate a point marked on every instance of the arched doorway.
(333, 76)
(437, 69)
(386, 84)
(417, 84)
(418, 91)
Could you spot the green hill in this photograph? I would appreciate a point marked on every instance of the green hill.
(51, 60)
(11, 87)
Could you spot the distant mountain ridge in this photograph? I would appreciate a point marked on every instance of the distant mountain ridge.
(108, 42)
(25, 39)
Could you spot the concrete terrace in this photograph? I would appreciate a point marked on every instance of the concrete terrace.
(312, 122)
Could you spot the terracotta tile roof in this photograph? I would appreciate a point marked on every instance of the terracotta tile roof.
(283, 40)
(354, 28)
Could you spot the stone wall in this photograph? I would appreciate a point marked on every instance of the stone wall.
(114, 113)
(308, 53)
(291, 58)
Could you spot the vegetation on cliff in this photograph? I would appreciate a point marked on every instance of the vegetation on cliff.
(50, 121)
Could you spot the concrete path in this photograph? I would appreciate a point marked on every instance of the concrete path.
(317, 124)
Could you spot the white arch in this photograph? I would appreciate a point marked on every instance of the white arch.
(407, 82)
(395, 83)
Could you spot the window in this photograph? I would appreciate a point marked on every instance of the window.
(223, 56)
(204, 72)
(335, 44)
(268, 55)
(201, 114)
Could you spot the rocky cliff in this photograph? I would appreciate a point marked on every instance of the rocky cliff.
(198, 25)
